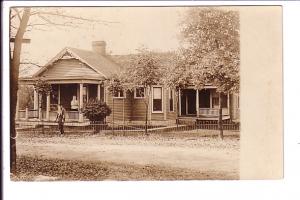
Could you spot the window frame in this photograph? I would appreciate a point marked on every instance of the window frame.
(136, 97)
(162, 99)
(119, 97)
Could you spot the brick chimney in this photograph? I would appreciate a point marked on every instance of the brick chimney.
(99, 47)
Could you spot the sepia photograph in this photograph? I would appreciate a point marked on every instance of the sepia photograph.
(125, 93)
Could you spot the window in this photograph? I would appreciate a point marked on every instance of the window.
(157, 99)
(139, 93)
(215, 100)
(171, 101)
(119, 94)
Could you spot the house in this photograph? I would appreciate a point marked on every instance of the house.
(76, 76)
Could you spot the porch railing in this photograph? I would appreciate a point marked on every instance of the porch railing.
(22, 114)
(33, 113)
(212, 111)
(72, 115)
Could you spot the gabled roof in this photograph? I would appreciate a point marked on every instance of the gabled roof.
(101, 64)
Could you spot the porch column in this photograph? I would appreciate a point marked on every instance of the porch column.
(58, 95)
(35, 100)
(197, 102)
(210, 99)
(80, 101)
(40, 105)
(98, 91)
(17, 107)
(105, 94)
(26, 113)
(179, 102)
(87, 93)
(48, 107)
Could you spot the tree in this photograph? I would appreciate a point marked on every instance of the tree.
(14, 74)
(43, 89)
(144, 72)
(96, 111)
(25, 97)
(24, 20)
(177, 77)
(115, 85)
(213, 50)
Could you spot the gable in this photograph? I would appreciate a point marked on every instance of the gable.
(66, 67)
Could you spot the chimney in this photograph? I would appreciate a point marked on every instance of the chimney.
(99, 47)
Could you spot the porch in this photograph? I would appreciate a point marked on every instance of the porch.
(203, 104)
(72, 96)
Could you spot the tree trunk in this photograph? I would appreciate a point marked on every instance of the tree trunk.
(177, 108)
(113, 115)
(146, 122)
(123, 115)
(147, 98)
(220, 122)
(14, 75)
(41, 107)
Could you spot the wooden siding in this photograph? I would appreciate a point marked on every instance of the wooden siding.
(117, 108)
(69, 68)
(138, 109)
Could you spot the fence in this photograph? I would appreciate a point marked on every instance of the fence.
(139, 127)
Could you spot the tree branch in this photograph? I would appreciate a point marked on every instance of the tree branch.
(17, 13)
(71, 17)
(30, 63)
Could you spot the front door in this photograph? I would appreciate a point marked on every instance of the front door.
(188, 102)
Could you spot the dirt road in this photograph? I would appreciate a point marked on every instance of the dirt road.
(192, 153)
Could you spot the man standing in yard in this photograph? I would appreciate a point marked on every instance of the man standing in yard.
(60, 118)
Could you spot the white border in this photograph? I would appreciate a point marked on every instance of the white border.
(281, 189)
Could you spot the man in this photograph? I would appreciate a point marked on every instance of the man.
(60, 118)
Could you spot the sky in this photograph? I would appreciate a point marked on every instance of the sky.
(127, 29)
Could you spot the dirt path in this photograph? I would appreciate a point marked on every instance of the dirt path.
(204, 154)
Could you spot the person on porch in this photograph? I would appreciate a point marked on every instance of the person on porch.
(60, 118)
(74, 103)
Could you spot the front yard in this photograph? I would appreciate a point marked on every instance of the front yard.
(165, 156)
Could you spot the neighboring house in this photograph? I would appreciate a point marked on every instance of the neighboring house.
(78, 75)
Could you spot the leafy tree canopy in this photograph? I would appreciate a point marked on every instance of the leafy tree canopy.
(42, 87)
(144, 71)
(212, 47)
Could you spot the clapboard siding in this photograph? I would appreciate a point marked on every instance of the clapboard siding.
(69, 68)
(139, 109)
(117, 107)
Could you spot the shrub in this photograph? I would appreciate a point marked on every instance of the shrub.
(96, 110)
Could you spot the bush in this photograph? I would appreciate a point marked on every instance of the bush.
(96, 110)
